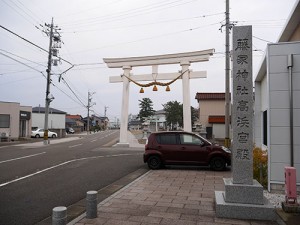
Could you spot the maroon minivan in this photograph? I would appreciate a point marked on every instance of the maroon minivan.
(180, 147)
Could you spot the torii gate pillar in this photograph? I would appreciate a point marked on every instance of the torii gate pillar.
(187, 123)
(184, 59)
(125, 104)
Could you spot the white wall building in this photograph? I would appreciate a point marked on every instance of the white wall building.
(56, 120)
(273, 105)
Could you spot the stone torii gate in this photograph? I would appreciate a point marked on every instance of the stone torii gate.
(184, 59)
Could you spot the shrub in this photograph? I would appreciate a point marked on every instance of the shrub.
(260, 166)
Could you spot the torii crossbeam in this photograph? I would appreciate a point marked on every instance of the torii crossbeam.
(184, 59)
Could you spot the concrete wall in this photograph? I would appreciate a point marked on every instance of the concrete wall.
(55, 121)
(279, 110)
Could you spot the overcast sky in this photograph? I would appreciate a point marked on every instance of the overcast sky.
(95, 29)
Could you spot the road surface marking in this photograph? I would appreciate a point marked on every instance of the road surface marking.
(64, 163)
(73, 146)
(9, 160)
(94, 140)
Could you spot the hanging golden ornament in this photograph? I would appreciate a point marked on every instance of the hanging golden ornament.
(154, 88)
(168, 88)
(142, 90)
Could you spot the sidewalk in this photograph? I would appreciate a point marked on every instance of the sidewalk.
(166, 197)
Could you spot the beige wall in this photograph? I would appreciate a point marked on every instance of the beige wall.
(13, 109)
(296, 34)
(210, 108)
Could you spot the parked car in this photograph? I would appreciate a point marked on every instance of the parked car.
(70, 130)
(40, 133)
(180, 147)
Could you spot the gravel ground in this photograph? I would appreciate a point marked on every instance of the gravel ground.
(276, 199)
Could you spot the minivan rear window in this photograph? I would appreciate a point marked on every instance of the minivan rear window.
(166, 139)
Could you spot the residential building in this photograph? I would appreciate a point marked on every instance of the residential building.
(97, 122)
(76, 122)
(276, 113)
(212, 114)
(134, 123)
(15, 121)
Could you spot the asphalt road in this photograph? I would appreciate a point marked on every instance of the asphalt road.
(35, 179)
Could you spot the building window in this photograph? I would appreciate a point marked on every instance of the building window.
(265, 128)
(4, 121)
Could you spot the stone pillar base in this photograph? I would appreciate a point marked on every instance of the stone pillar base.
(242, 193)
(243, 211)
(243, 202)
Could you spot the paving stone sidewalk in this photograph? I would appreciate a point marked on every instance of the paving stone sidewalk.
(171, 196)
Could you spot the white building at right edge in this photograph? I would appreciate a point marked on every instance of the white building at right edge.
(273, 127)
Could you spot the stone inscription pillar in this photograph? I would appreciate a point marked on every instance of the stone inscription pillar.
(243, 197)
(242, 109)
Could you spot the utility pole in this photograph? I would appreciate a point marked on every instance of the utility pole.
(54, 36)
(227, 79)
(48, 100)
(90, 104)
(105, 109)
(105, 122)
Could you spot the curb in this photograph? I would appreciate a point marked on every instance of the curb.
(76, 211)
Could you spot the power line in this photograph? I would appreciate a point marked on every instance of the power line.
(129, 13)
(21, 63)
(79, 103)
(38, 64)
(21, 57)
(118, 14)
(88, 64)
(14, 81)
(72, 91)
(94, 8)
(146, 24)
(149, 38)
(261, 39)
(11, 72)
(31, 42)
(18, 12)
(24, 39)
(30, 12)
(21, 9)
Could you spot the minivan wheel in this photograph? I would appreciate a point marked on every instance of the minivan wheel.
(218, 163)
(154, 162)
